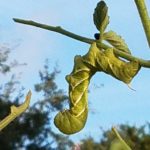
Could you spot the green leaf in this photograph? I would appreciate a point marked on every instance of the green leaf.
(100, 16)
(118, 143)
(116, 41)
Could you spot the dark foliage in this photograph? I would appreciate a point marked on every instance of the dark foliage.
(138, 138)
(32, 130)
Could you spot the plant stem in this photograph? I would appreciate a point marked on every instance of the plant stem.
(58, 29)
(141, 6)
(120, 138)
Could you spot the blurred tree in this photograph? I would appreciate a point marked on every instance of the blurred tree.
(138, 138)
(4, 67)
(32, 130)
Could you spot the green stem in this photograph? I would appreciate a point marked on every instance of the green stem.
(15, 112)
(144, 17)
(120, 138)
(58, 29)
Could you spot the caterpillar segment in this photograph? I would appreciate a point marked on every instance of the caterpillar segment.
(73, 120)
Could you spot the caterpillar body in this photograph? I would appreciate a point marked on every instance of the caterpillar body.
(73, 120)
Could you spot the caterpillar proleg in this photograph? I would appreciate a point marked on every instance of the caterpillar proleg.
(73, 120)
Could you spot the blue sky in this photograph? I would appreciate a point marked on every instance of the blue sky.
(112, 104)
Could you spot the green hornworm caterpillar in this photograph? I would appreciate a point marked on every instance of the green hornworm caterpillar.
(73, 120)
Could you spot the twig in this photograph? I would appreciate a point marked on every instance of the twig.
(15, 112)
(144, 17)
(120, 138)
(58, 29)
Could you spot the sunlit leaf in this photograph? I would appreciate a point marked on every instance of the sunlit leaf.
(117, 145)
(100, 16)
(116, 41)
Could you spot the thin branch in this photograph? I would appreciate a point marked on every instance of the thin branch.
(15, 112)
(141, 6)
(58, 29)
(120, 138)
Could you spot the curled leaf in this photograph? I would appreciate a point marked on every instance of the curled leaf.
(73, 119)
(119, 69)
